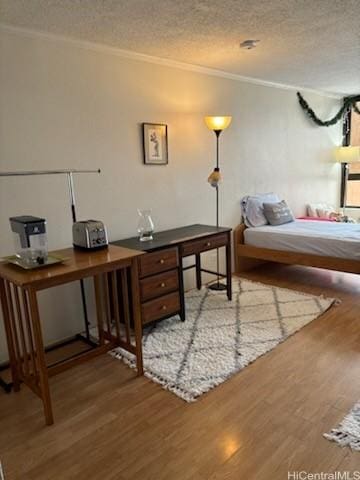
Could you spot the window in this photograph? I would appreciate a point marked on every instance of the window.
(352, 189)
(353, 185)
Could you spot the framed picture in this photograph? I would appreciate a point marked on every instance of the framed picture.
(155, 144)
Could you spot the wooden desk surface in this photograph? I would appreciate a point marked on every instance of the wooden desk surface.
(168, 238)
(78, 264)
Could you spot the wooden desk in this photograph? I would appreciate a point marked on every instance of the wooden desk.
(110, 269)
(161, 269)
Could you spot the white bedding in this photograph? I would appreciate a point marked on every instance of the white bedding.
(330, 239)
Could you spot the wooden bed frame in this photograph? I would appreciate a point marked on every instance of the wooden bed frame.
(248, 257)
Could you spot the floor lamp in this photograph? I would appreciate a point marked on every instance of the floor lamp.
(217, 125)
(345, 156)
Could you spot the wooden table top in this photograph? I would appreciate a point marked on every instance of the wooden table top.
(171, 237)
(78, 264)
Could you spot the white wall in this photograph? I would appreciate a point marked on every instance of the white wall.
(67, 107)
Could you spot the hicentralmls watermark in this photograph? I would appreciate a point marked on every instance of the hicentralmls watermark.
(303, 475)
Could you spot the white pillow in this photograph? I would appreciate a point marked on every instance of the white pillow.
(252, 208)
(311, 209)
(324, 212)
(319, 210)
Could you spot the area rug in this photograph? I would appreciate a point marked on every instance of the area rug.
(347, 434)
(220, 338)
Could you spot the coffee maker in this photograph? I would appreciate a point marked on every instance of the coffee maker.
(30, 239)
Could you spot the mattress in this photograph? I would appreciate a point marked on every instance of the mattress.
(331, 239)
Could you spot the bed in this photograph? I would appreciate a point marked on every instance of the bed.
(329, 245)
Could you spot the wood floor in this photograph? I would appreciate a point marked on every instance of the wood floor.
(263, 422)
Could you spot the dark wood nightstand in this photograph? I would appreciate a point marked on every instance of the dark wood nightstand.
(161, 269)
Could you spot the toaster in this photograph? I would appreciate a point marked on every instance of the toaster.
(90, 235)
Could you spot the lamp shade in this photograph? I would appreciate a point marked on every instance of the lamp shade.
(217, 123)
(347, 154)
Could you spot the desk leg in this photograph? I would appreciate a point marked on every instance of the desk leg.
(137, 315)
(99, 310)
(182, 292)
(198, 271)
(9, 337)
(40, 357)
(228, 269)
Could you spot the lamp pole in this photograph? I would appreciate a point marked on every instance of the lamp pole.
(217, 285)
(217, 125)
(217, 169)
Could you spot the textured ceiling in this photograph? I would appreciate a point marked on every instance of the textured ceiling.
(308, 43)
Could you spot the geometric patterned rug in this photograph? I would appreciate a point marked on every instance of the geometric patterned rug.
(219, 338)
(347, 434)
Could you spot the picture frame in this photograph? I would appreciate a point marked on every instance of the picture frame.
(155, 143)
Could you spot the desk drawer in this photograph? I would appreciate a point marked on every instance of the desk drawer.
(157, 285)
(161, 307)
(197, 246)
(157, 262)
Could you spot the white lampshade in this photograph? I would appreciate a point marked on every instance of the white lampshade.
(347, 154)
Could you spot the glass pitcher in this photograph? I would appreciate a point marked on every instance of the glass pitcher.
(145, 225)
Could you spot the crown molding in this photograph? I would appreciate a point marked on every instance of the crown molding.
(142, 57)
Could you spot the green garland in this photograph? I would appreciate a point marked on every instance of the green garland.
(349, 102)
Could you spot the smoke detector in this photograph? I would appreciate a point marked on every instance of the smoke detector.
(249, 44)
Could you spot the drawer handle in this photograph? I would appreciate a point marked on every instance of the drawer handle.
(162, 285)
(162, 261)
(208, 244)
(164, 307)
